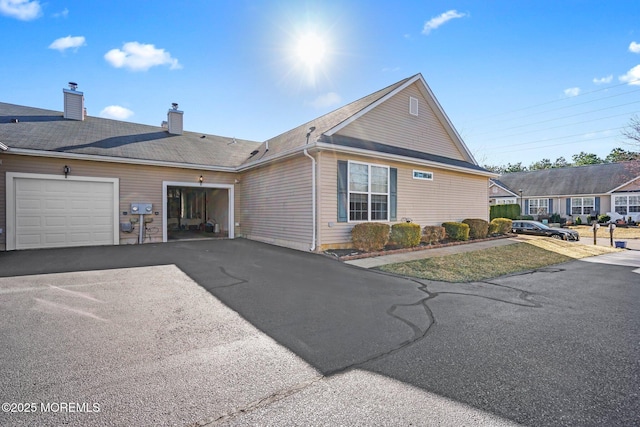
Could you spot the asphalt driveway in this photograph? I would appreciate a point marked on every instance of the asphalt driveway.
(238, 332)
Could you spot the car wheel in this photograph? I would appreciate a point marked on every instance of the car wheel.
(556, 236)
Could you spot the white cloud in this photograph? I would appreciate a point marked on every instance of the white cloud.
(62, 14)
(64, 43)
(140, 57)
(572, 91)
(634, 47)
(603, 80)
(632, 77)
(327, 100)
(24, 10)
(116, 112)
(435, 22)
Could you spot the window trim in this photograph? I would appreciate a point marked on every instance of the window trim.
(627, 205)
(537, 206)
(414, 108)
(419, 172)
(369, 193)
(582, 205)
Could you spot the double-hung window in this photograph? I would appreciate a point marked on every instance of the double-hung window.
(368, 192)
(627, 204)
(582, 205)
(538, 206)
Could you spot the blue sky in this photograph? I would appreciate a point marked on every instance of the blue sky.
(520, 80)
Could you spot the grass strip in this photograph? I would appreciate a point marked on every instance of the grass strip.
(494, 262)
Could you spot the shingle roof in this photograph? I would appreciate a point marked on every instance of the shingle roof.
(297, 137)
(47, 130)
(590, 179)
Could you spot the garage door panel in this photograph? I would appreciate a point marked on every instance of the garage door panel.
(55, 221)
(29, 221)
(59, 213)
(55, 204)
(34, 204)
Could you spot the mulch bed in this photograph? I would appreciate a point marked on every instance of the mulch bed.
(351, 254)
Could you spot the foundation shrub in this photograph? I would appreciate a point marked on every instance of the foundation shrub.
(456, 230)
(478, 228)
(370, 236)
(405, 235)
(432, 234)
(500, 226)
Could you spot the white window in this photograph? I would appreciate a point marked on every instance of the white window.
(368, 192)
(538, 206)
(582, 205)
(505, 201)
(413, 106)
(427, 176)
(624, 205)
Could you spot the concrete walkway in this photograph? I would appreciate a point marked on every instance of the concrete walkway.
(430, 253)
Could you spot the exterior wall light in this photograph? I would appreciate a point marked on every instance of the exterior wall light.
(66, 169)
(201, 179)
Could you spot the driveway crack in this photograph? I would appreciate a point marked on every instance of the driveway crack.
(265, 401)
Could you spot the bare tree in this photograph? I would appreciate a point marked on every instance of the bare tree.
(632, 131)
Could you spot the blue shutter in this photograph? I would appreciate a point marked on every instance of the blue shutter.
(526, 207)
(597, 212)
(393, 193)
(550, 206)
(343, 182)
(568, 212)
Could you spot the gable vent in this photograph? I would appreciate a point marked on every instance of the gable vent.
(73, 102)
(413, 106)
(174, 120)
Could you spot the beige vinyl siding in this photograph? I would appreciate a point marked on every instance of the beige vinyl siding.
(138, 183)
(451, 196)
(276, 204)
(633, 186)
(500, 192)
(390, 123)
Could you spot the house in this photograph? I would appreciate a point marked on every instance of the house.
(573, 192)
(68, 179)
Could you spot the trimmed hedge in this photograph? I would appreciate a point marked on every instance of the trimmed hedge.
(370, 236)
(511, 211)
(478, 228)
(433, 234)
(405, 235)
(456, 230)
(500, 226)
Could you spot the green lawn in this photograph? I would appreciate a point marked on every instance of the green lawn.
(494, 262)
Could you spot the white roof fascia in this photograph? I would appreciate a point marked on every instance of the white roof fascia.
(111, 159)
(449, 126)
(625, 184)
(403, 159)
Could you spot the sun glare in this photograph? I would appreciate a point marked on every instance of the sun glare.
(311, 49)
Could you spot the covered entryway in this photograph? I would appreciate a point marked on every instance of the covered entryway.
(197, 211)
(51, 211)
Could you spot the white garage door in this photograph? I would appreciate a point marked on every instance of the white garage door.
(52, 213)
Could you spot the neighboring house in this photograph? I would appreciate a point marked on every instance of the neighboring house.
(572, 192)
(67, 179)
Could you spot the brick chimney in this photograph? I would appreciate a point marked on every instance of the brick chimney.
(174, 120)
(73, 102)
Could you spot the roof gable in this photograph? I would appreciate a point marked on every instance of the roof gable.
(331, 124)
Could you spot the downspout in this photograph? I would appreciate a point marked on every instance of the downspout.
(313, 191)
